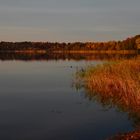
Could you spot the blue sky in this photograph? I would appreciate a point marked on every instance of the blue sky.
(68, 20)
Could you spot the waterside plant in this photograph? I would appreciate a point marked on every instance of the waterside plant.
(115, 84)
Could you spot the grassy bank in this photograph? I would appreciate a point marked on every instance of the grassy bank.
(118, 77)
(116, 83)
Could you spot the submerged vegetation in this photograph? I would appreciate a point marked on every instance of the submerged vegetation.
(115, 84)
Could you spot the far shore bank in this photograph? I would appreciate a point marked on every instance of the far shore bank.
(129, 45)
(73, 51)
(101, 52)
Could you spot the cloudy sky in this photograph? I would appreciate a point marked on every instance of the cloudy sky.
(68, 20)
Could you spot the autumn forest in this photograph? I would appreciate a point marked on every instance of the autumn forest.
(132, 43)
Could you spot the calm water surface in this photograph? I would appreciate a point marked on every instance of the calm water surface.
(39, 102)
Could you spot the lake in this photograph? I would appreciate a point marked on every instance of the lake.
(38, 101)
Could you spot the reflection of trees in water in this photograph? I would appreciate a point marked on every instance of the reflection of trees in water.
(63, 56)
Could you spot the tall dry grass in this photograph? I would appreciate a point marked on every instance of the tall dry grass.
(116, 83)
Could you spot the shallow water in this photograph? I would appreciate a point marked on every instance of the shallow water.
(39, 102)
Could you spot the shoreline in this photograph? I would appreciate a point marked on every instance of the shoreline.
(73, 51)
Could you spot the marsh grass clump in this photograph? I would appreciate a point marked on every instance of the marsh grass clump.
(117, 82)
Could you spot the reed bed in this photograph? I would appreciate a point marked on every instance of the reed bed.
(117, 82)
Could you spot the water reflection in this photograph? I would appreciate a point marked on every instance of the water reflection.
(37, 100)
(63, 56)
(129, 104)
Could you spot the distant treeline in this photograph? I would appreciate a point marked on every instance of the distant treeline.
(132, 43)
